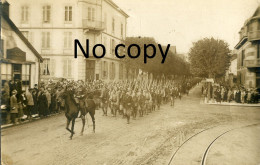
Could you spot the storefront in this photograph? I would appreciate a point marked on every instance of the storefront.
(19, 60)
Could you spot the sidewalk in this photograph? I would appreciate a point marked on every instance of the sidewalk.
(34, 118)
(229, 104)
(235, 104)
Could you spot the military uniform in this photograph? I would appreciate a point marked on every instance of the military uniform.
(128, 105)
(80, 100)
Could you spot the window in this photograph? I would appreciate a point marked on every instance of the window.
(112, 71)
(105, 21)
(46, 40)
(250, 27)
(68, 13)
(67, 39)
(25, 76)
(25, 14)
(113, 25)
(242, 57)
(112, 46)
(46, 14)
(122, 30)
(45, 69)
(2, 48)
(121, 71)
(258, 50)
(6, 72)
(91, 14)
(104, 69)
(67, 68)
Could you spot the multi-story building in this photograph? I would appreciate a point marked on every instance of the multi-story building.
(248, 52)
(231, 74)
(19, 61)
(51, 27)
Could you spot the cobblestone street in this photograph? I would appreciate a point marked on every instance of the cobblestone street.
(151, 139)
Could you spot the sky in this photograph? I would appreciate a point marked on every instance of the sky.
(182, 22)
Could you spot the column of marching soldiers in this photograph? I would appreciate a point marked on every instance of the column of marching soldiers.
(128, 98)
(132, 98)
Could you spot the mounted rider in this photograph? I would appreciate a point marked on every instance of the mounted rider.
(80, 97)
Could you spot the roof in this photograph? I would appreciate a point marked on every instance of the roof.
(19, 33)
(256, 15)
(117, 7)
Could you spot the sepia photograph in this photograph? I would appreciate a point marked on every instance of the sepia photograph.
(130, 82)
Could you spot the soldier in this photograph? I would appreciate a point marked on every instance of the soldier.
(122, 102)
(158, 98)
(147, 102)
(128, 105)
(141, 101)
(134, 104)
(153, 100)
(104, 100)
(114, 102)
(80, 98)
(172, 95)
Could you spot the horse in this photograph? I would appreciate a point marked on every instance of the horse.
(72, 110)
(90, 107)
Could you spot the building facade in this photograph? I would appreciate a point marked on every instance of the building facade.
(231, 74)
(19, 61)
(248, 52)
(51, 27)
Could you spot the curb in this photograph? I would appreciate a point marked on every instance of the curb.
(241, 105)
(26, 122)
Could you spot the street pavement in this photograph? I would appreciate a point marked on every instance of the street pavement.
(152, 139)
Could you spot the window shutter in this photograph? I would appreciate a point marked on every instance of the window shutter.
(110, 70)
(48, 40)
(70, 13)
(27, 13)
(70, 40)
(101, 69)
(48, 13)
(89, 13)
(64, 68)
(43, 35)
(52, 67)
(43, 14)
(110, 46)
(93, 14)
(69, 68)
(65, 13)
(65, 39)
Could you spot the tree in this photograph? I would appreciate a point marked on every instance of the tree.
(209, 57)
(172, 64)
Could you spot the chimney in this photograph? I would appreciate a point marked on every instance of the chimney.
(5, 8)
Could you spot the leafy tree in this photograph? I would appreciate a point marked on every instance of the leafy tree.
(209, 57)
(172, 64)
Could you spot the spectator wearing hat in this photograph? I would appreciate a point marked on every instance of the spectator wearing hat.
(42, 103)
(30, 103)
(14, 107)
(48, 96)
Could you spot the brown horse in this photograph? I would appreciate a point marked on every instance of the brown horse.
(72, 110)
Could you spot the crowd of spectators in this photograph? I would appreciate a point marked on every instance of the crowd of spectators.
(220, 93)
(44, 99)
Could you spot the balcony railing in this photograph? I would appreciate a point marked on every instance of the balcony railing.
(93, 25)
(254, 63)
(254, 35)
(98, 51)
